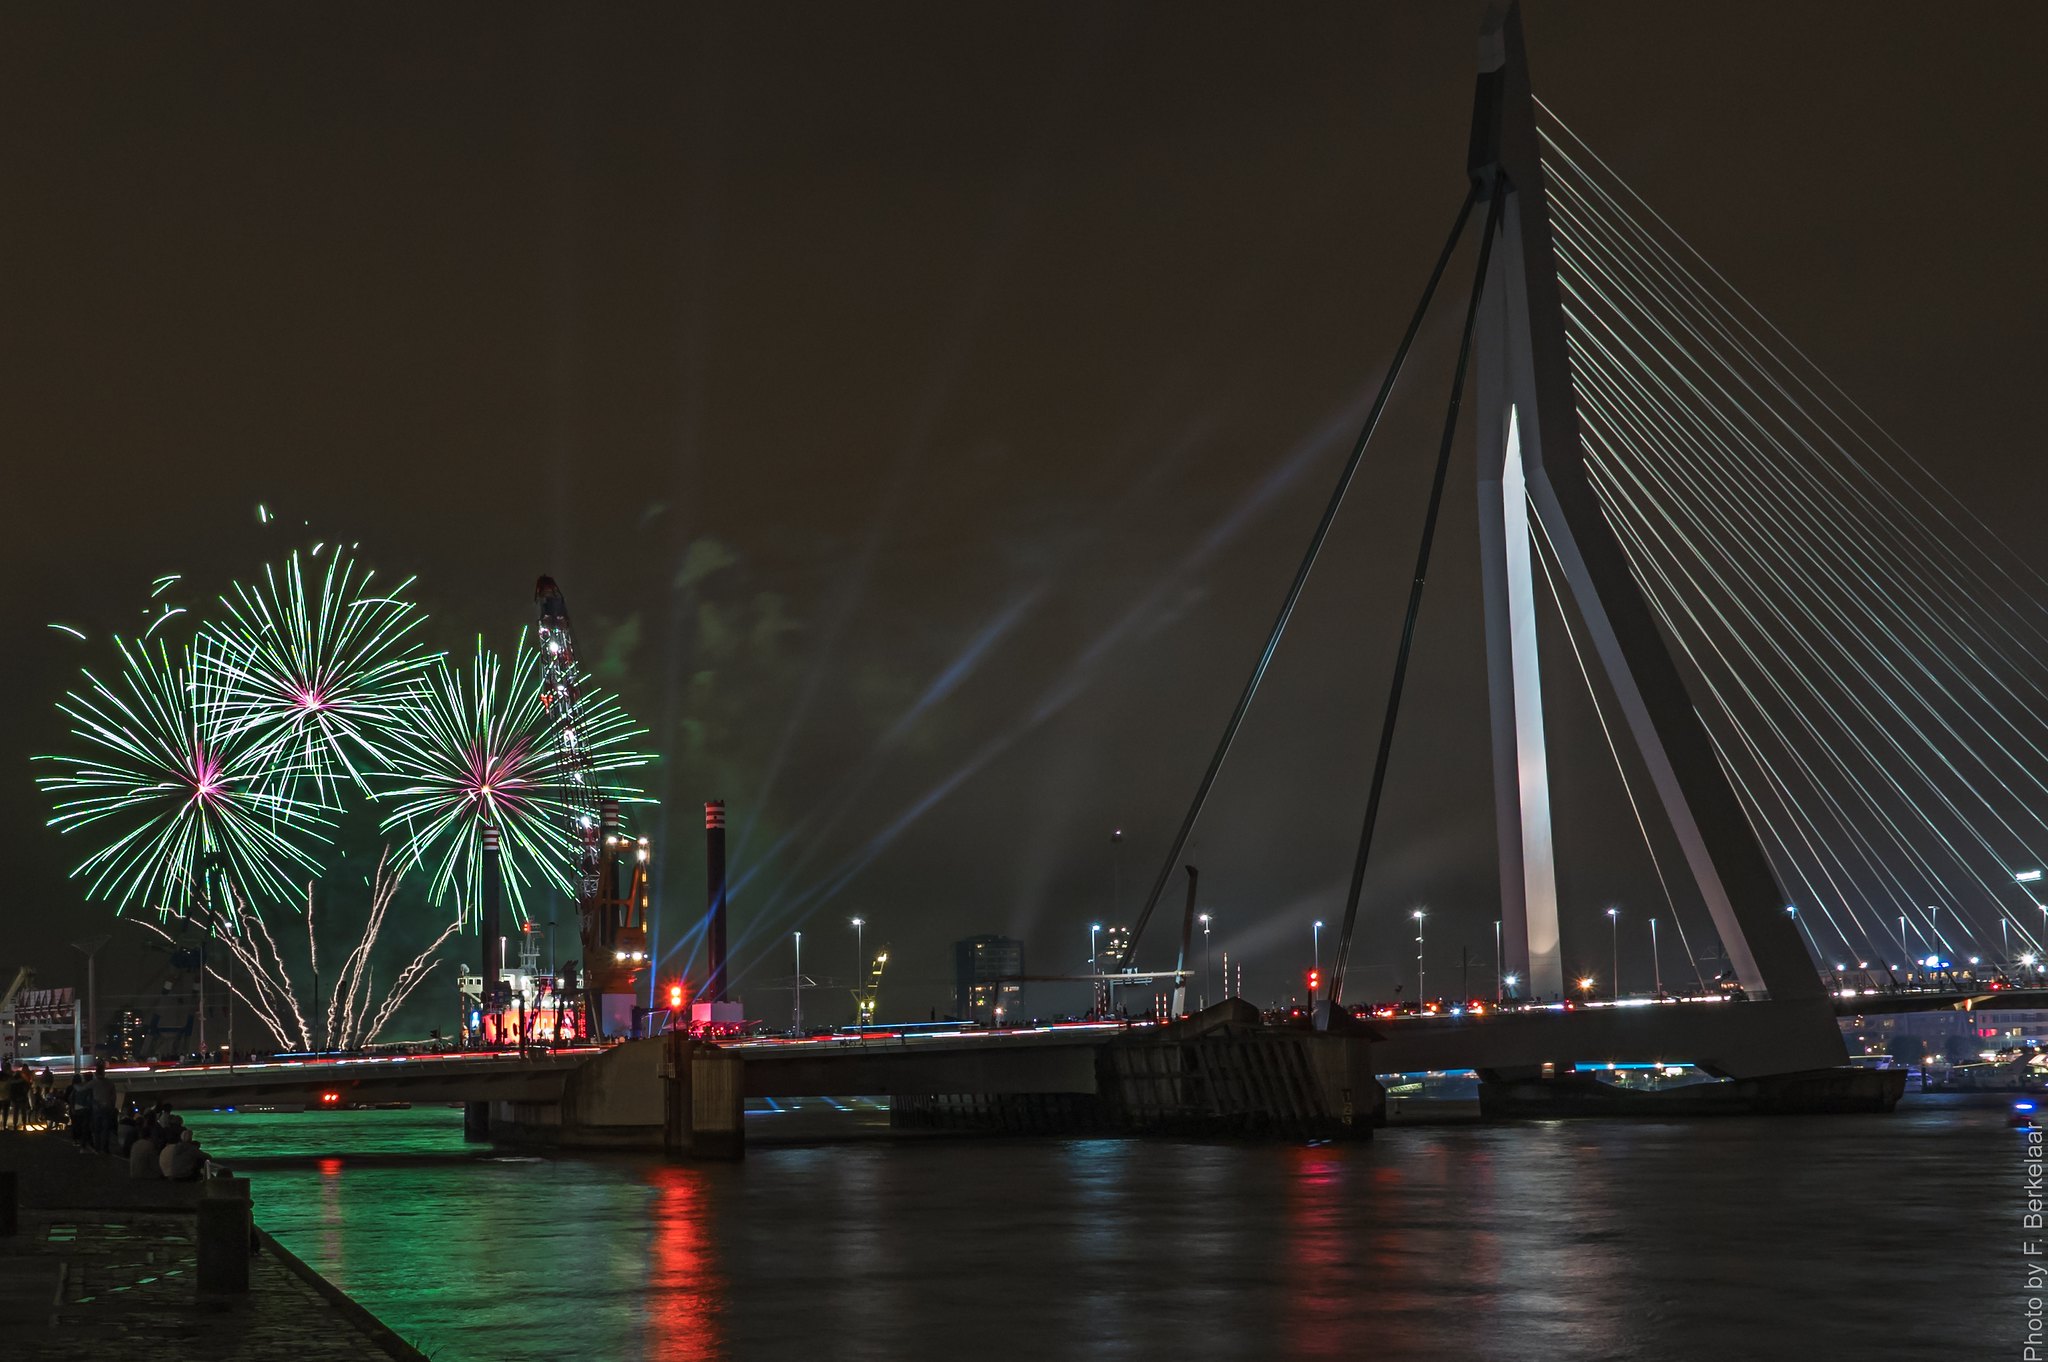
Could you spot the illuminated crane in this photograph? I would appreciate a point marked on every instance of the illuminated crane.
(612, 918)
(864, 996)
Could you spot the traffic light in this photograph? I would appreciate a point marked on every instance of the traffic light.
(675, 997)
(1315, 981)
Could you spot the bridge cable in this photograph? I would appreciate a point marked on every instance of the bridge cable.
(1873, 628)
(1808, 529)
(1545, 552)
(1815, 368)
(1429, 519)
(1294, 589)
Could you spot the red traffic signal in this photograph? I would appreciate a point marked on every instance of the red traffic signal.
(675, 997)
(1315, 980)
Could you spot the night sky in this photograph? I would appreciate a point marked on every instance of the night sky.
(924, 406)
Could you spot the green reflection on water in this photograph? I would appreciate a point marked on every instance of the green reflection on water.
(471, 1255)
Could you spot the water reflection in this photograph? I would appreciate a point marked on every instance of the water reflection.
(1537, 1240)
(684, 1285)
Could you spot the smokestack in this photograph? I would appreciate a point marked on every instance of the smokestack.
(493, 925)
(714, 872)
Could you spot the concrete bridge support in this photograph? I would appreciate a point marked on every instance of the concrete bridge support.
(703, 1101)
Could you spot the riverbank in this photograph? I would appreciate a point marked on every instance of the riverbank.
(102, 1265)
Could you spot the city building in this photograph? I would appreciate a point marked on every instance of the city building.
(1945, 1035)
(988, 979)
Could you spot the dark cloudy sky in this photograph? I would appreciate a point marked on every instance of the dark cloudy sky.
(923, 406)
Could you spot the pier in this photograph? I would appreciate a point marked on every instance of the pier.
(97, 1265)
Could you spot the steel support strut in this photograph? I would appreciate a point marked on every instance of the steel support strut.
(1294, 589)
(1401, 655)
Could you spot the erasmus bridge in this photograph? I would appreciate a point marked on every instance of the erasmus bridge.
(1818, 675)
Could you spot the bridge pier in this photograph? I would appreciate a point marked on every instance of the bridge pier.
(703, 1100)
(1219, 1074)
(476, 1122)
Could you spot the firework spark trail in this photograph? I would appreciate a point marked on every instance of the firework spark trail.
(273, 969)
(409, 979)
(313, 668)
(355, 966)
(356, 1015)
(261, 999)
(180, 791)
(475, 750)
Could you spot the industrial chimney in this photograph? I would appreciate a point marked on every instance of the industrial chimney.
(714, 871)
(493, 925)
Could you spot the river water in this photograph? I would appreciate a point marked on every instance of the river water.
(1731, 1238)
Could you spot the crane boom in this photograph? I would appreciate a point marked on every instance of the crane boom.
(612, 927)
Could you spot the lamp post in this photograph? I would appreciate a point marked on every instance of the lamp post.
(796, 1010)
(1499, 986)
(1094, 979)
(91, 947)
(1419, 990)
(1614, 944)
(1208, 976)
(1116, 872)
(860, 965)
(1656, 966)
(1317, 937)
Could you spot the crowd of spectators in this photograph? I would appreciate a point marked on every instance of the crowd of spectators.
(91, 1110)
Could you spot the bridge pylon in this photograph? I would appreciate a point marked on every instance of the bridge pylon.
(1532, 465)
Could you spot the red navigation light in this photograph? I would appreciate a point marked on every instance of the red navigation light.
(675, 997)
(328, 1099)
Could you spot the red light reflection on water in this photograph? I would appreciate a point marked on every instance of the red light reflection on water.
(684, 1286)
(1319, 1268)
(333, 1246)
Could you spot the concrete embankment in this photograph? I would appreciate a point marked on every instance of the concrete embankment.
(99, 1264)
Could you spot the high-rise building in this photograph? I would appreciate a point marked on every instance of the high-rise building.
(988, 979)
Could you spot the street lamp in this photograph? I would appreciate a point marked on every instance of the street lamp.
(1614, 945)
(1499, 993)
(91, 947)
(1116, 873)
(860, 966)
(796, 1010)
(1419, 990)
(1208, 977)
(1094, 982)
(1318, 938)
(1656, 966)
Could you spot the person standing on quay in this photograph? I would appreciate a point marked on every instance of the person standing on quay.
(104, 1111)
